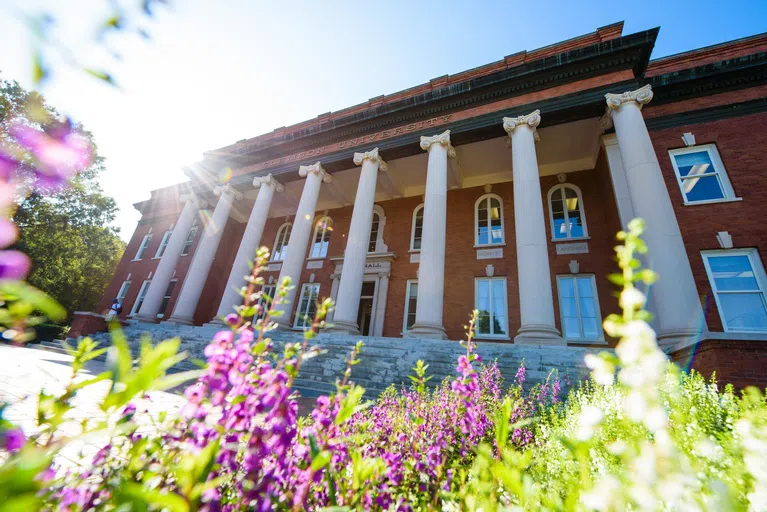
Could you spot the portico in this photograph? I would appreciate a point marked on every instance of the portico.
(352, 202)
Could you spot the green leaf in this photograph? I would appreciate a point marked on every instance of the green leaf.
(349, 404)
(34, 297)
(101, 75)
(321, 460)
(137, 495)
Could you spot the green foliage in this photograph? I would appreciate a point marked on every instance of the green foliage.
(66, 233)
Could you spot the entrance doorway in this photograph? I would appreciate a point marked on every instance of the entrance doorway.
(365, 313)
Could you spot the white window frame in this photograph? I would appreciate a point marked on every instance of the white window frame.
(161, 312)
(140, 297)
(280, 237)
(143, 247)
(326, 224)
(299, 317)
(719, 171)
(123, 291)
(560, 188)
(486, 198)
(409, 282)
(597, 311)
(412, 229)
(491, 335)
(379, 245)
(190, 238)
(163, 245)
(759, 275)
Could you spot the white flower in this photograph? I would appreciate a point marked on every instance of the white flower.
(589, 418)
(629, 349)
(601, 496)
(602, 371)
(635, 406)
(655, 419)
(631, 298)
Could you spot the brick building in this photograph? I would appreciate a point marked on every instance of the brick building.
(505, 185)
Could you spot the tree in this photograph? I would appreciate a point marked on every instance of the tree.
(66, 231)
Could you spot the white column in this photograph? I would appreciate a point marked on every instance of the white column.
(680, 316)
(164, 272)
(618, 177)
(197, 275)
(299, 237)
(355, 256)
(431, 267)
(251, 238)
(536, 302)
(334, 278)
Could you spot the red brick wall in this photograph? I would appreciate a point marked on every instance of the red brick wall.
(740, 142)
(85, 325)
(740, 363)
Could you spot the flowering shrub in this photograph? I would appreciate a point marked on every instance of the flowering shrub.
(639, 435)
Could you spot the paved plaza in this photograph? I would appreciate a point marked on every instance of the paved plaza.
(25, 371)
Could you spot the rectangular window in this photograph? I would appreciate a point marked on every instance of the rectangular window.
(490, 300)
(738, 281)
(307, 305)
(701, 174)
(579, 308)
(189, 240)
(140, 298)
(143, 246)
(266, 298)
(163, 244)
(166, 298)
(123, 291)
(411, 300)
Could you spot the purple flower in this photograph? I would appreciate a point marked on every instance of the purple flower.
(232, 319)
(8, 232)
(12, 439)
(14, 265)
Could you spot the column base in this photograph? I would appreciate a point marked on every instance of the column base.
(179, 320)
(147, 319)
(537, 334)
(343, 327)
(424, 330)
(674, 339)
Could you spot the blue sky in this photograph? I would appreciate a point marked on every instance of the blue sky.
(217, 72)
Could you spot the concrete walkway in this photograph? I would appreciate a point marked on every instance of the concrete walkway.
(25, 371)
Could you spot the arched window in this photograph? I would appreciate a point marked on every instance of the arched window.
(376, 231)
(322, 229)
(488, 220)
(568, 219)
(417, 230)
(281, 242)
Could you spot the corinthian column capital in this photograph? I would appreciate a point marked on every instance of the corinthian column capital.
(317, 169)
(227, 189)
(532, 120)
(259, 181)
(642, 96)
(442, 139)
(373, 156)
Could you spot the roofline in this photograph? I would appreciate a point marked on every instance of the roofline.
(716, 46)
(605, 33)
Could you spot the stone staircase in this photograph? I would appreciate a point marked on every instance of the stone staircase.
(383, 361)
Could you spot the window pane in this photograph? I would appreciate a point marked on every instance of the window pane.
(732, 273)
(417, 229)
(483, 305)
(558, 213)
(584, 287)
(496, 231)
(412, 301)
(694, 164)
(590, 328)
(744, 311)
(702, 188)
(499, 307)
(373, 233)
(568, 306)
(566, 288)
(572, 330)
(587, 307)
